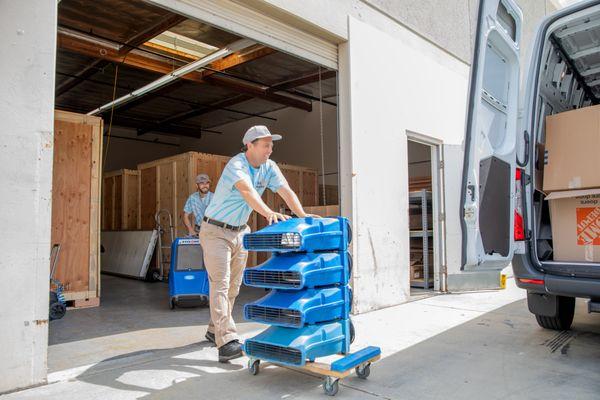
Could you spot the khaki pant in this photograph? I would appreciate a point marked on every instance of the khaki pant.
(225, 260)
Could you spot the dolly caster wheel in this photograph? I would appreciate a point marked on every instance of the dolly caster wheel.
(363, 371)
(330, 386)
(254, 366)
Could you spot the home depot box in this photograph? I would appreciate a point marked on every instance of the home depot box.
(575, 217)
(572, 147)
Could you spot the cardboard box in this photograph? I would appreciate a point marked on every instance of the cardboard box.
(575, 217)
(572, 146)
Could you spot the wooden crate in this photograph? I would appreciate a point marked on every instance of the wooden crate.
(331, 194)
(76, 203)
(418, 183)
(167, 183)
(120, 192)
(324, 211)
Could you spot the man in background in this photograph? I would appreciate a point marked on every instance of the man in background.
(196, 204)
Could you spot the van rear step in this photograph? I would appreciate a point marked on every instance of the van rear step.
(593, 306)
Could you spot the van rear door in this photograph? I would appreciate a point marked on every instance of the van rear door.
(488, 191)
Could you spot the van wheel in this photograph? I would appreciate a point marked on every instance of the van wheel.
(564, 318)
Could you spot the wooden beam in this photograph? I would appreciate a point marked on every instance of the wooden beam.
(150, 32)
(133, 42)
(223, 64)
(90, 46)
(259, 92)
(240, 98)
(107, 50)
(305, 80)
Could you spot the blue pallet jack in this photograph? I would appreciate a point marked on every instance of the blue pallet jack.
(308, 307)
(188, 279)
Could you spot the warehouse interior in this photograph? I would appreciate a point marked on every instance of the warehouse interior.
(421, 193)
(152, 146)
(110, 48)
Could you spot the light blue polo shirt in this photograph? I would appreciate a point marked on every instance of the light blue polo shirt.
(197, 205)
(228, 204)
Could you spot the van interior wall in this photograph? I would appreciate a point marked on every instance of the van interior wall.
(301, 144)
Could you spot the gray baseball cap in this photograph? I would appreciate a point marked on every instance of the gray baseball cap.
(202, 178)
(258, 132)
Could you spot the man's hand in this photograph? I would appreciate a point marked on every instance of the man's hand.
(274, 217)
(192, 232)
(312, 216)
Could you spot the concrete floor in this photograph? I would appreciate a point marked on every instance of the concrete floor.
(463, 346)
(134, 317)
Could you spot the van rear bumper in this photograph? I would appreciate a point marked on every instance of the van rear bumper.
(553, 284)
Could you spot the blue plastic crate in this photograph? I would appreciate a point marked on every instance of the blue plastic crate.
(302, 234)
(289, 346)
(295, 309)
(296, 271)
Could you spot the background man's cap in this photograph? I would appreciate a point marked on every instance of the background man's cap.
(257, 132)
(202, 178)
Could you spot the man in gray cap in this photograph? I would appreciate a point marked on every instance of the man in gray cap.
(239, 191)
(196, 204)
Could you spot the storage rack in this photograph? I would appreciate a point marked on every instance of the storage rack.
(422, 198)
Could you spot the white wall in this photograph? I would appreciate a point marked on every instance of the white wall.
(26, 105)
(406, 85)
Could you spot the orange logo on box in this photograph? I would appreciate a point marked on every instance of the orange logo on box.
(588, 225)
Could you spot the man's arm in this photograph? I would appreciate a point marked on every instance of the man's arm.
(254, 200)
(188, 223)
(292, 201)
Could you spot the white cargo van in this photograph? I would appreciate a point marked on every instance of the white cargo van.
(505, 213)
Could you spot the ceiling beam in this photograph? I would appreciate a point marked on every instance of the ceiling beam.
(166, 122)
(259, 92)
(305, 80)
(133, 42)
(90, 46)
(223, 64)
(201, 110)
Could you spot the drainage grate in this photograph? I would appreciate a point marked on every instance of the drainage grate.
(273, 278)
(271, 352)
(272, 315)
(272, 241)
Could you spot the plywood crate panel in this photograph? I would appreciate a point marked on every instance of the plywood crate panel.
(120, 203)
(76, 203)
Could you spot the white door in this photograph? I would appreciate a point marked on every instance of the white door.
(489, 167)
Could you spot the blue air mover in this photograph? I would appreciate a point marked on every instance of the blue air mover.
(302, 235)
(309, 305)
(188, 279)
(296, 271)
(298, 308)
(293, 347)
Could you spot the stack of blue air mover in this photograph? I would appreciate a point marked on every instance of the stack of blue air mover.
(309, 303)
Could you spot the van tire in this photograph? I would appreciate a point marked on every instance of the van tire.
(564, 317)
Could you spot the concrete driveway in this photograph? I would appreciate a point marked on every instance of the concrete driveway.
(459, 346)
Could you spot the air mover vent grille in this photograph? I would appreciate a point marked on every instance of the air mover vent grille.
(273, 241)
(272, 315)
(275, 353)
(273, 278)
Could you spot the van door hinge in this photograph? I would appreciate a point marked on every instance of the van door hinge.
(441, 164)
(442, 217)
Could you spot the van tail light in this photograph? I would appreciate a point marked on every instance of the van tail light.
(532, 281)
(519, 224)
